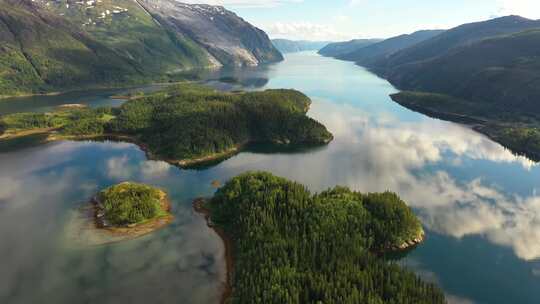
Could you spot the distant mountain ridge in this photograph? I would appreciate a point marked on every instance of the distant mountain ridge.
(369, 55)
(455, 37)
(502, 71)
(293, 46)
(56, 45)
(486, 74)
(341, 48)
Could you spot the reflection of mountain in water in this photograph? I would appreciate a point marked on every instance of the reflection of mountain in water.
(233, 78)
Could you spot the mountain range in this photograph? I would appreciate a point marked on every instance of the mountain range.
(55, 45)
(338, 49)
(486, 74)
(293, 46)
(369, 55)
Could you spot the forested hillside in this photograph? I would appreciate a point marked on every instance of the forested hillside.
(290, 246)
(50, 45)
(502, 72)
(40, 51)
(454, 38)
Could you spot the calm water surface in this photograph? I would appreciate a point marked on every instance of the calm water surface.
(479, 203)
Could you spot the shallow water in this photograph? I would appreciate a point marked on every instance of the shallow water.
(478, 202)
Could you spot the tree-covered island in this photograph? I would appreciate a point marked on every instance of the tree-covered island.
(128, 204)
(129, 210)
(290, 246)
(184, 124)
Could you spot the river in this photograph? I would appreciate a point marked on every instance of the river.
(479, 203)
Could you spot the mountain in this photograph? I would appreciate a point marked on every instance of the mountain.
(227, 37)
(64, 44)
(293, 46)
(340, 48)
(456, 37)
(492, 84)
(502, 71)
(368, 55)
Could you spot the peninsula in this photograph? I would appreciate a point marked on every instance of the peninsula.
(289, 246)
(185, 124)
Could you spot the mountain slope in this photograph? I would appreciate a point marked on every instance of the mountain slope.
(40, 50)
(293, 46)
(368, 55)
(502, 71)
(56, 45)
(493, 84)
(456, 37)
(230, 39)
(340, 48)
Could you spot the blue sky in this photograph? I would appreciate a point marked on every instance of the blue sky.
(347, 19)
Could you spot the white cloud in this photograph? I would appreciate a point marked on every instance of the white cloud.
(306, 31)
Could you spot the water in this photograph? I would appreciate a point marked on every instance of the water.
(91, 98)
(480, 204)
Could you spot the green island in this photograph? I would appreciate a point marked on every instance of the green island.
(517, 130)
(290, 246)
(131, 209)
(185, 124)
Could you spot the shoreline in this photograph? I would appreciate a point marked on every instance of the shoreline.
(198, 206)
(94, 88)
(182, 163)
(409, 244)
(479, 125)
(187, 163)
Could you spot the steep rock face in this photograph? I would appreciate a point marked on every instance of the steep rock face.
(230, 39)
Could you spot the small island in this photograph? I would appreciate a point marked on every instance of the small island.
(286, 245)
(131, 209)
(185, 124)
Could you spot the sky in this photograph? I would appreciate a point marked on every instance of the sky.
(338, 20)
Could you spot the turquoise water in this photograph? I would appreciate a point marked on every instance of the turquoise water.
(479, 203)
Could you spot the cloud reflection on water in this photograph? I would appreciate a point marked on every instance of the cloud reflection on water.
(414, 159)
(42, 189)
